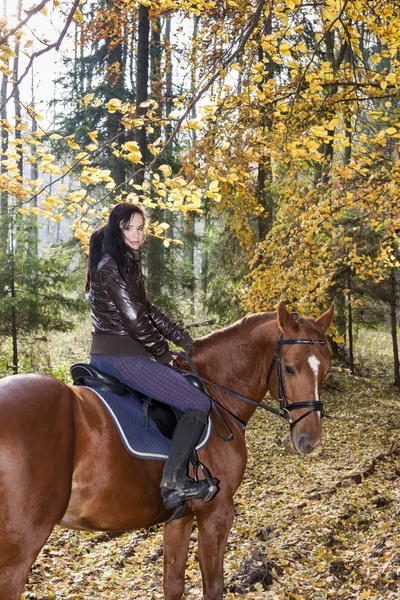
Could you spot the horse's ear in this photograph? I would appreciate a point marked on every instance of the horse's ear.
(285, 320)
(325, 320)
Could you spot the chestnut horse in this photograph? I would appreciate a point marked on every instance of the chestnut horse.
(62, 460)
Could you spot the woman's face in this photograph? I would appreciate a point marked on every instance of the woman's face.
(133, 231)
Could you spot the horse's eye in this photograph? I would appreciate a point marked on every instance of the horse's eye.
(290, 370)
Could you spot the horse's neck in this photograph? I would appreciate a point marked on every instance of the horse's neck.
(237, 361)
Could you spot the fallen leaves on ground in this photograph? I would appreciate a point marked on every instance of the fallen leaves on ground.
(306, 528)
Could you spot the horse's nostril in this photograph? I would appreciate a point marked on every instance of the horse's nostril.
(303, 444)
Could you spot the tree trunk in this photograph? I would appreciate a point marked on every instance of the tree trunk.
(264, 176)
(17, 101)
(142, 77)
(168, 85)
(33, 241)
(155, 247)
(14, 326)
(190, 236)
(4, 145)
(114, 127)
(350, 326)
(393, 319)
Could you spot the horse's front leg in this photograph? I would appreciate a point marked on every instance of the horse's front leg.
(214, 521)
(176, 544)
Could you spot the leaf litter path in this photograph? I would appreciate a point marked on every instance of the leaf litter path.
(306, 528)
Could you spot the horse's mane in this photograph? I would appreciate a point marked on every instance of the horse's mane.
(245, 322)
(311, 330)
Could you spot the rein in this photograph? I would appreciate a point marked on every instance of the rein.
(284, 409)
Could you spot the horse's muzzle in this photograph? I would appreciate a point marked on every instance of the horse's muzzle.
(305, 445)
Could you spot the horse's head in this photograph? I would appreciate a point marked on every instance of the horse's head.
(300, 365)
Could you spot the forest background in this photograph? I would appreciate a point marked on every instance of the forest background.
(263, 140)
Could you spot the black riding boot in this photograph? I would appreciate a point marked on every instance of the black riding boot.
(176, 486)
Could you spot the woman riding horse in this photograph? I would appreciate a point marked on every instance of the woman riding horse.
(129, 333)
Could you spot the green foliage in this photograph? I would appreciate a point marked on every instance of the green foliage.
(227, 269)
(45, 289)
(50, 353)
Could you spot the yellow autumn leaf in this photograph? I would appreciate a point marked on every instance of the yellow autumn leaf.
(391, 130)
(285, 49)
(312, 145)
(93, 135)
(131, 146)
(78, 16)
(164, 226)
(166, 169)
(72, 144)
(87, 99)
(196, 124)
(133, 157)
(174, 114)
(113, 105)
(302, 47)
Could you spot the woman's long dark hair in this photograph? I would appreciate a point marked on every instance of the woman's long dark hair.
(110, 239)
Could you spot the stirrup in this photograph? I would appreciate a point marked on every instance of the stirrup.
(212, 482)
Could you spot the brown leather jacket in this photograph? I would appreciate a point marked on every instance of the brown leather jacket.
(123, 320)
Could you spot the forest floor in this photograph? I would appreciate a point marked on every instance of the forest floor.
(306, 528)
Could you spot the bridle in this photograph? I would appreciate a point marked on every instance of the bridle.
(284, 410)
(284, 406)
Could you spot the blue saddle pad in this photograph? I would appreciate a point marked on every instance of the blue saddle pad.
(127, 414)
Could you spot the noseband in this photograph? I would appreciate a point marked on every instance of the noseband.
(285, 408)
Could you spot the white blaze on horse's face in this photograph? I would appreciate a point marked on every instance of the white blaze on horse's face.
(307, 434)
(314, 364)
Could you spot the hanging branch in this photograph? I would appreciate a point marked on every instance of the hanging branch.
(55, 46)
(30, 12)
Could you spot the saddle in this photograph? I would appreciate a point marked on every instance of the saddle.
(164, 416)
